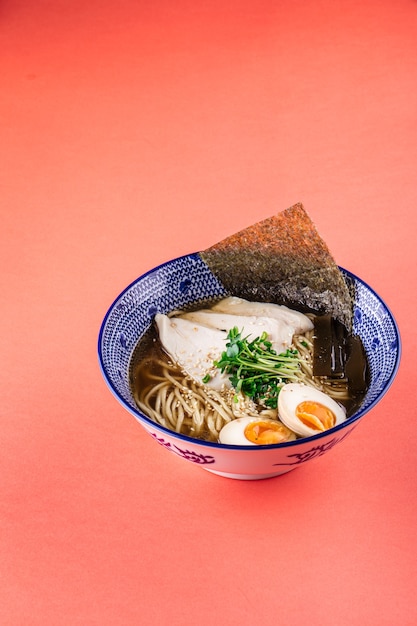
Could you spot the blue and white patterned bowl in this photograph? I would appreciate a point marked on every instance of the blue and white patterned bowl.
(185, 280)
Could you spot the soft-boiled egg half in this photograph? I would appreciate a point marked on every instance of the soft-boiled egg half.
(308, 411)
(253, 431)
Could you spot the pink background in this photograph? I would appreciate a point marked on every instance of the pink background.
(135, 132)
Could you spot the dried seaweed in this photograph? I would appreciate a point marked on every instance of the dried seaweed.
(282, 259)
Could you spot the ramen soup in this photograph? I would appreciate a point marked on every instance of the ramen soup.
(248, 373)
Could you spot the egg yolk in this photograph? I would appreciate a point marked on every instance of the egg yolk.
(315, 415)
(267, 432)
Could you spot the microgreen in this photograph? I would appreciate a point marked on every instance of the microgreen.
(255, 369)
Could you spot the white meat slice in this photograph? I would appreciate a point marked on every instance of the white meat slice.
(238, 306)
(280, 334)
(194, 347)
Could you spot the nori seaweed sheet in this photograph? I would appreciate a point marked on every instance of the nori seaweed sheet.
(282, 259)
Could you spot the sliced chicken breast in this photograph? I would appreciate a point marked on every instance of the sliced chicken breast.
(279, 333)
(239, 306)
(194, 347)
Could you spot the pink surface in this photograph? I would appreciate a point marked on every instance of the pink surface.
(134, 132)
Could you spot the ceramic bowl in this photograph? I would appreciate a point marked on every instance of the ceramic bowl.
(185, 280)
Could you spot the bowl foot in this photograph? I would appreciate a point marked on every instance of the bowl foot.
(249, 476)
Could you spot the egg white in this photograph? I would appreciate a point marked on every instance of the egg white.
(292, 394)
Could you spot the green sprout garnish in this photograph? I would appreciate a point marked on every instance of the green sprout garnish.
(255, 368)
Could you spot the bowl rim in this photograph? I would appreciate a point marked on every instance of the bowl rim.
(141, 417)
